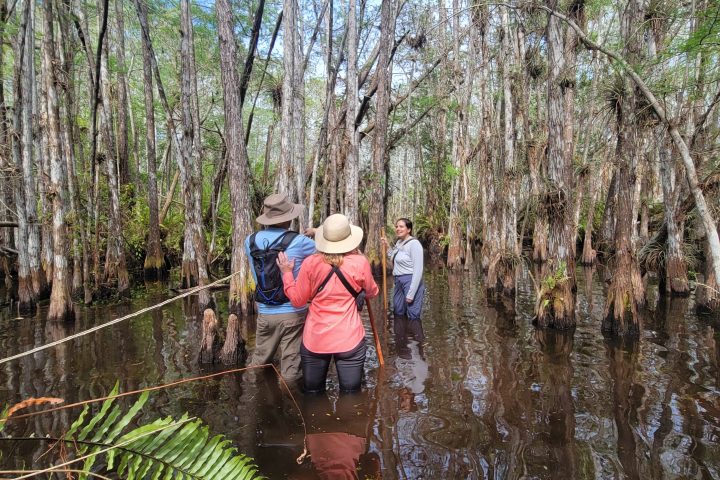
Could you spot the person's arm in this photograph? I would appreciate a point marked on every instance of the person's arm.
(392, 251)
(305, 248)
(297, 290)
(416, 253)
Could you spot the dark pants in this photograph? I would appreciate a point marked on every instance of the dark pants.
(349, 366)
(400, 306)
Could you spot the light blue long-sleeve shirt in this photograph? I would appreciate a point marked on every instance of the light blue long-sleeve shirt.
(299, 248)
(408, 260)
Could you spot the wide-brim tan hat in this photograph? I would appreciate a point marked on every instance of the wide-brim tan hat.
(278, 209)
(337, 235)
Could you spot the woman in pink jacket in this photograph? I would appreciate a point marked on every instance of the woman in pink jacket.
(334, 282)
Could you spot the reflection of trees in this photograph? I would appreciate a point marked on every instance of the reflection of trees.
(588, 273)
(509, 404)
(673, 414)
(622, 354)
(193, 323)
(558, 407)
(57, 371)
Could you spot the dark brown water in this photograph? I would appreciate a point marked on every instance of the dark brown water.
(484, 396)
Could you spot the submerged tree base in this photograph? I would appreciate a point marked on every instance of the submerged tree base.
(589, 257)
(61, 310)
(233, 350)
(26, 302)
(675, 282)
(155, 268)
(626, 295)
(210, 342)
(555, 306)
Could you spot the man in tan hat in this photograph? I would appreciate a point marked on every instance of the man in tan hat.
(279, 324)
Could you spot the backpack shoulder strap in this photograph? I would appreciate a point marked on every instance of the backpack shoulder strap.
(253, 245)
(325, 281)
(344, 281)
(284, 240)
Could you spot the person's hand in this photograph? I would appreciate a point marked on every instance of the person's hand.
(408, 300)
(285, 264)
(383, 242)
(309, 232)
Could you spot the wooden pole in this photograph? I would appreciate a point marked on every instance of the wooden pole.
(375, 334)
(384, 276)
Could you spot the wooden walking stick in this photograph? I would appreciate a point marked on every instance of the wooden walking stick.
(384, 275)
(375, 334)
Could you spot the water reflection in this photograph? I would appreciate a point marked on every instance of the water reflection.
(476, 393)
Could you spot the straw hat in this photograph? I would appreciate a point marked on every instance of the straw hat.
(278, 209)
(337, 235)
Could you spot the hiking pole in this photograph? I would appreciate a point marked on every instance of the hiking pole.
(375, 334)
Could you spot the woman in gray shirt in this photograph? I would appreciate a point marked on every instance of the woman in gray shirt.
(407, 260)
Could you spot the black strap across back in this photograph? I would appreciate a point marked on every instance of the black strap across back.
(358, 296)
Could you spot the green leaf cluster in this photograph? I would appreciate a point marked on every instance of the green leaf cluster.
(558, 277)
(165, 448)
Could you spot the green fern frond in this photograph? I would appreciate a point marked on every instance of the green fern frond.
(165, 448)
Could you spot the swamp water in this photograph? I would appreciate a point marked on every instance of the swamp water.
(484, 395)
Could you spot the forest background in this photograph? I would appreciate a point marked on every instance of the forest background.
(136, 137)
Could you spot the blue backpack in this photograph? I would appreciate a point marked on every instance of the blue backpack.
(269, 287)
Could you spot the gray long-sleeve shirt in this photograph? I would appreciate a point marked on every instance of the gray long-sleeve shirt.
(408, 261)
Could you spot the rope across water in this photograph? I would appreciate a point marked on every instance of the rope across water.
(117, 320)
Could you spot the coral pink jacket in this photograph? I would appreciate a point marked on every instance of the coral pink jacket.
(333, 324)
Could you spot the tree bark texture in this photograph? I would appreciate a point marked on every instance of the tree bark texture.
(239, 176)
(376, 217)
(154, 266)
(61, 306)
(352, 161)
(556, 303)
(37, 275)
(115, 271)
(27, 296)
(194, 266)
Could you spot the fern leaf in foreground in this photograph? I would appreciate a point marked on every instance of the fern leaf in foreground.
(165, 448)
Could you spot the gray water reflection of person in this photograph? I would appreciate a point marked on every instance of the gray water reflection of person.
(411, 366)
(337, 437)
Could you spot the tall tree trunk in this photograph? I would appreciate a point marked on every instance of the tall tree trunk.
(194, 267)
(328, 111)
(673, 277)
(239, 178)
(27, 296)
(556, 302)
(626, 293)
(37, 275)
(43, 177)
(285, 173)
(154, 266)
(376, 217)
(115, 272)
(462, 97)
(6, 189)
(67, 45)
(61, 306)
(299, 115)
(589, 254)
(506, 259)
(607, 224)
(486, 184)
(123, 154)
(352, 161)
